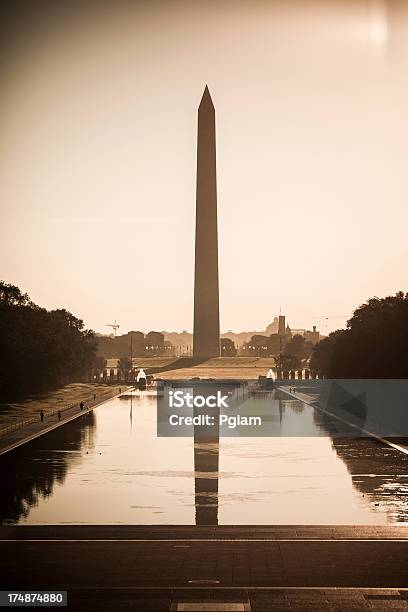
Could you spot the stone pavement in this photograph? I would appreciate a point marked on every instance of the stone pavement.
(158, 568)
(400, 444)
(265, 600)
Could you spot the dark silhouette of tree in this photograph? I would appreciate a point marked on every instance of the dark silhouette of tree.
(155, 338)
(12, 296)
(228, 348)
(266, 346)
(296, 352)
(154, 343)
(256, 346)
(39, 349)
(321, 358)
(276, 343)
(288, 362)
(98, 366)
(374, 345)
(138, 343)
(134, 342)
(99, 363)
(124, 366)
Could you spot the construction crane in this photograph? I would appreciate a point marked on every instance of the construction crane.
(327, 318)
(115, 326)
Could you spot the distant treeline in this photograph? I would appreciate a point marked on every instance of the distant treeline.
(134, 343)
(152, 344)
(374, 345)
(290, 352)
(39, 349)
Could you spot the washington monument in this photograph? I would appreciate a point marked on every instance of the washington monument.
(206, 340)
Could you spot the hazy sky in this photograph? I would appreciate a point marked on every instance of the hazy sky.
(98, 153)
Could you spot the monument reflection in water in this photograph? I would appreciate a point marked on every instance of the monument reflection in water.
(207, 449)
(206, 466)
(206, 439)
(110, 467)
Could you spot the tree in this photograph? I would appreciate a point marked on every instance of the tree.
(257, 346)
(266, 346)
(99, 364)
(154, 343)
(125, 366)
(39, 349)
(321, 359)
(228, 348)
(10, 295)
(299, 350)
(374, 345)
(138, 343)
(276, 344)
(289, 362)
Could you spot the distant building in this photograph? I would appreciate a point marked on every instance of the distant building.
(273, 327)
(313, 336)
(281, 325)
(299, 332)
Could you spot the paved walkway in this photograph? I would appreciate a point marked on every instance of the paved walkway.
(197, 533)
(24, 434)
(400, 444)
(236, 600)
(158, 568)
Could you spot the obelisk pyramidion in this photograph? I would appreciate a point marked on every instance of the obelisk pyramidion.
(206, 340)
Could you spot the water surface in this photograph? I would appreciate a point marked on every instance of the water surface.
(109, 467)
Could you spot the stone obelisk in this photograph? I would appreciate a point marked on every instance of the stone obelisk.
(206, 340)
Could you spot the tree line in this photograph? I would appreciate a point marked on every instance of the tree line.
(373, 345)
(136, 343)
(290, 352)
(39, 349)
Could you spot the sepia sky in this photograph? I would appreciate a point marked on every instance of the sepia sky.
(98, 150)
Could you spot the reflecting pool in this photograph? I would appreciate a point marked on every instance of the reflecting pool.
(109, 467)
